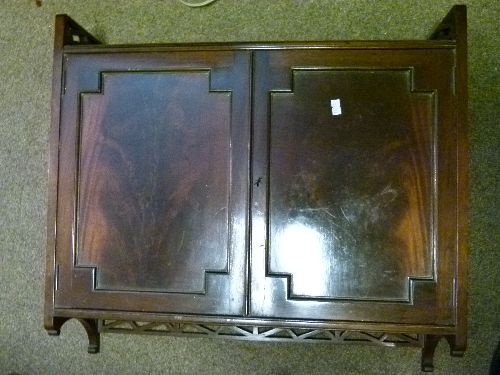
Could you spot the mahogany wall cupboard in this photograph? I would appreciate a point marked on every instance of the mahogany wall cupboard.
(268, 191)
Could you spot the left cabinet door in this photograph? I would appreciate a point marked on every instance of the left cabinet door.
(153, 182)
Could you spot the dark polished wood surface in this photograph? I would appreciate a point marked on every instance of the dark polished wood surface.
(301, 185)
(154, 181)
(344, 220)
(350, 192)
(454, 27)
(154, 152)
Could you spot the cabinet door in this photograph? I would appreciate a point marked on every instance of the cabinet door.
(354, 200)
(153, 181)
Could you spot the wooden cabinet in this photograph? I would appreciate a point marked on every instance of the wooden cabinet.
(301, 191)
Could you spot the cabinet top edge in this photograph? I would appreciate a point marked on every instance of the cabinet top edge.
(255, 46)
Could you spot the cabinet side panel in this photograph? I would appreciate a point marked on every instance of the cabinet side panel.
(65, 29)
(463, 180)
(53, 163)
(454, 27)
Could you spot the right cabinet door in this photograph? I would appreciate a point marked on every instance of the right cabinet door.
(354, 194)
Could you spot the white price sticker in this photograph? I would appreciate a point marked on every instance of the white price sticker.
(336, 108)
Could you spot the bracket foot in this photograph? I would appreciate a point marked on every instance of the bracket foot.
(53, 327)
(430, 344)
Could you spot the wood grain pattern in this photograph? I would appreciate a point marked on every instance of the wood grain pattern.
(361, 196)
(154, 181)
(350, 194)
(64, 27)
(454, 27)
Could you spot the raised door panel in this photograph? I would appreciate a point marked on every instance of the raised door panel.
(345, 215)
(153, 182)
